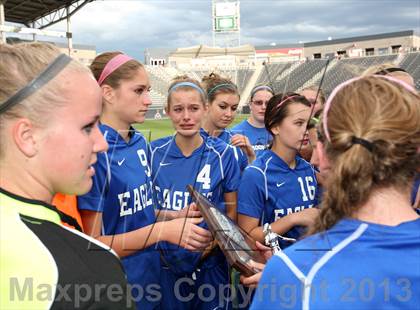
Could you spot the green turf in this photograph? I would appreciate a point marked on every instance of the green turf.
(155, 129)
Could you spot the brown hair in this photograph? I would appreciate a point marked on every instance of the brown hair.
(386, 115)
(185, 78)
(277, 108)
(20, 64)
(125, 72)
(211, 84)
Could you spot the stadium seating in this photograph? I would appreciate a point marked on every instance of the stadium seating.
(287, 76)
(347, 68)
(272, 72)
(411, 63)
(243, 76)
(302, 73)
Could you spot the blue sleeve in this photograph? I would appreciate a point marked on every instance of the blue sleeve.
(95, 198)
(278, 288)
(231, 171)
(252, 193)
(240, 158)
(243, 160)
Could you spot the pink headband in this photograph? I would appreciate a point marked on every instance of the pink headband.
(342, 85)
(285, 99)
(113, 65)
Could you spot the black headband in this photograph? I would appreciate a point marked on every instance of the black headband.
(33, 86)
(389, 70)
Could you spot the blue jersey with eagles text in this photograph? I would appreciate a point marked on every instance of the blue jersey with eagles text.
(226, 135)
(259, 138)
(211, 169)
(270, 189)
(122, 192)
(353, 265)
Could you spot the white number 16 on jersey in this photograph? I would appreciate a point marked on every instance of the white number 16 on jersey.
(309, 186)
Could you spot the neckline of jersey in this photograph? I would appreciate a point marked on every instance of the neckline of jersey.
(112, 133)
(28, 206)
(194, 153)
(346, 222)
(256, 128)
(279, 161)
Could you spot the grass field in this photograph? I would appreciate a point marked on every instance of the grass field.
(155, 129)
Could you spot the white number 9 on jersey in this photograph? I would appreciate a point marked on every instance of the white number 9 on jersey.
(143, 159)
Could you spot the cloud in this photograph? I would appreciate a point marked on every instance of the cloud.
(132, 26)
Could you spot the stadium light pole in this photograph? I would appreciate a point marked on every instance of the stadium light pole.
(34, 34)
(213, 8)
(226, 23)
(69, 34)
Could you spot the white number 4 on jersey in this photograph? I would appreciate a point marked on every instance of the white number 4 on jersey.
(204, 176)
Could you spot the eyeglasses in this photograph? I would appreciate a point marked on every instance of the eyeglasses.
(259, 103)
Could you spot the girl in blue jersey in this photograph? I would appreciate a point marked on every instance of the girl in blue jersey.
(191, 279)
(119, 210)
(366, 252)
(223, 100)
(280, 188)
(253, 127)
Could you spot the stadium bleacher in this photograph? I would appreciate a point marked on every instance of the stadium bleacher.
(272, 72)
(161, 77)
(347, 68)
(411, 63)
(287, 76)
(295, 79)
(242, 78)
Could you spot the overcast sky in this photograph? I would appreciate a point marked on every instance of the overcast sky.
(132, 26)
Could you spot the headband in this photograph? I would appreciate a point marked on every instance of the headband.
(261, 87)
(112, 65)
(285, 99)
(225, 85)
(51, 71)
(188, 84)
(342, 85)
(389, 70)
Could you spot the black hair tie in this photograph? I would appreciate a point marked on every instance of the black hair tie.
(365, 143)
